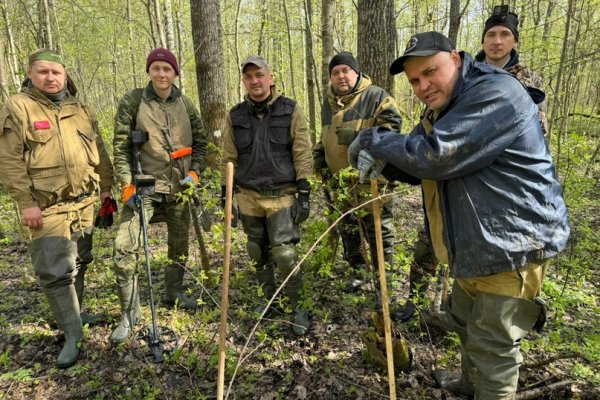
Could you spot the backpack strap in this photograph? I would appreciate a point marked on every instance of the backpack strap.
(134, 105)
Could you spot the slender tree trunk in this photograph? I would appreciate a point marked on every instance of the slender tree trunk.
(546, 33)
(372, 54)
(206, 34)
(180, 47)
(310, 62)
(455, 18)
(290, 48)
(150, 22)
(169, 27)
(13, 64)
(57, 40)
(159, 24)
(45, 39)
(134, 70)
(327, 19)
(5, 93)
(559, 97)
(237, 48)
(263, 24)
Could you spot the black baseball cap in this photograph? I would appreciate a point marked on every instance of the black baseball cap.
(422, 45)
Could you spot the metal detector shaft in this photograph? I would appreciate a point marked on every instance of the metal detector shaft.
(155, 343)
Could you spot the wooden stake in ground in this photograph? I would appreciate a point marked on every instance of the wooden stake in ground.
(389, 351)
(225, 288)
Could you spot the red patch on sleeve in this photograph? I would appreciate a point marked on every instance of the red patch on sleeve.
(38, 125)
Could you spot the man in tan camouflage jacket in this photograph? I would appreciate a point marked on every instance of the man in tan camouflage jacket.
(53, 162)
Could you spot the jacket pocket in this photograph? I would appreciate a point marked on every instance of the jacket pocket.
(44, 149)
(49, 186)
(88, 142)
(280, 136)
(243, 136)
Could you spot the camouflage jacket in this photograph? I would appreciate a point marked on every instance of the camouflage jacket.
(185, 127)
(51, 154)
(528, 78)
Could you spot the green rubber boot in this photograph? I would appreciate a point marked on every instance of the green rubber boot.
(174, 289)
(86, 318)
(130, 310)
(65, 307)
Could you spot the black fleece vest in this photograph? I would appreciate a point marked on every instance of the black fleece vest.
(264, 145)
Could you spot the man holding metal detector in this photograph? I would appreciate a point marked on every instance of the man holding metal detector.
(267, 141)
(159, 149)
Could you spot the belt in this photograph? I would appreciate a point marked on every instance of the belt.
(79, 198)
(275, 192)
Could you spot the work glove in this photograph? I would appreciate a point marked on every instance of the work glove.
(129, 196)
(105, 219)
(301, 207)
(319, 159)
(369, 165)
(235, 212)
(345, 136)
(190, 179)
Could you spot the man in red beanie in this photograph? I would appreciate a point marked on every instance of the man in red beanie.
(161, 110)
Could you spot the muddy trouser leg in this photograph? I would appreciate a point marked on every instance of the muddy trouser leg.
(54, 261)
(348, 228)
(495, 328)
(259, 252)
(422, 267)
(84, 241)
(178, 231)
(125, 257)
(283, 235)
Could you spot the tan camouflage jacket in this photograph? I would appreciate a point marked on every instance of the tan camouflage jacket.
(51, 154)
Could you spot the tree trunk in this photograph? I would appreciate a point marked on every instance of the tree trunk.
(57, 41)
(159, 24)
(327, 18)
(290, 48)
(392, 39)
(13, 64)
(169, 26)
(454, 20)
(150, 22)
(206, 34)
(4, 91)
(309, 67)
(180, 47)
(263, 24)
(372, 54)
(236, 39)
(45, 39)
(130, 42)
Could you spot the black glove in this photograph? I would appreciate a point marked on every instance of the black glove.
(235, 212)
(345, 136)
(319, 159)
(301, 207)
(104, 219)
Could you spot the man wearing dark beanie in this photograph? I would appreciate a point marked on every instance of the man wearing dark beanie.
(499, 38)
(353, 103)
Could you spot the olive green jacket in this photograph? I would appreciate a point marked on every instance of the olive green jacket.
(185, 128)
(49, 153)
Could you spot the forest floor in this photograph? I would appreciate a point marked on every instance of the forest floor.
(327, 363)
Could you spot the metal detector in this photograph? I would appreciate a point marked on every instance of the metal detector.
(144, 186)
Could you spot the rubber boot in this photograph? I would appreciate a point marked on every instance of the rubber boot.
(86, 318)
(129, 299)
(174, 289)
(266, 279)
(65, 307)
(352, 254)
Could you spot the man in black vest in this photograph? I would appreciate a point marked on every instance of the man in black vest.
(267, 141)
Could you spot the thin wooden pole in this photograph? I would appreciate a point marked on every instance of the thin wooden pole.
(225, 288)
(389, 351)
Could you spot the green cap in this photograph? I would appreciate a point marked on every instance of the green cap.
(46, 55)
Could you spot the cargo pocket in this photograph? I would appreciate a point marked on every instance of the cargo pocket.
(243, 138)
(44, 149)
(88, 142)
(48, 186)
(280, 137)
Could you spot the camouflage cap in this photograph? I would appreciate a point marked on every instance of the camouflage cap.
(46, 55)
(255, 60)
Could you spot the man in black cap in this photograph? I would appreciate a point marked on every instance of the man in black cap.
(494, 205)
(500, 38)
(353, 103)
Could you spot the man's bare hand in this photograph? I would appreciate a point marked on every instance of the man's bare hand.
(32, 218)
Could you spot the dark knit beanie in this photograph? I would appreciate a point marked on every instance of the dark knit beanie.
(509, 20)
(344, 58)
(161, 54)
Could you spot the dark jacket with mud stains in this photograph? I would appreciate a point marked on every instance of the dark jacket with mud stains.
(500, 203)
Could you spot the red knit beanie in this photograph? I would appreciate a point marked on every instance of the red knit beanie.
(161, 54)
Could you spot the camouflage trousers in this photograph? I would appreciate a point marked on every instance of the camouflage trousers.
(129, 241)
